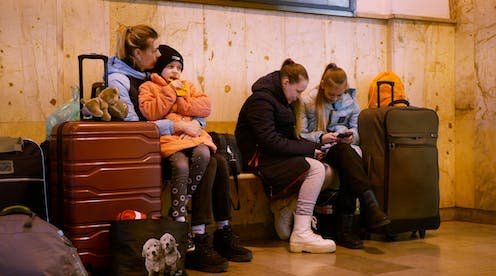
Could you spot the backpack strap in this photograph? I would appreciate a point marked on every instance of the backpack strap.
(236, 185)
(234, 171)
(222, 141)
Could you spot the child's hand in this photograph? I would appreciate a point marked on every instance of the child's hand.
(180, 88)
(177, 84)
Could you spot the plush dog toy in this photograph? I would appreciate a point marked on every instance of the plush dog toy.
(106, 105)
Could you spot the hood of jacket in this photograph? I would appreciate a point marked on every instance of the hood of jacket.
(116, 65)
(270, 84)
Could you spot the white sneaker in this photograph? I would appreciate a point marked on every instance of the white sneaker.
(283, 210)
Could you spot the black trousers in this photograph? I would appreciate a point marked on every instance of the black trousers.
(212, 195)
(352, 176)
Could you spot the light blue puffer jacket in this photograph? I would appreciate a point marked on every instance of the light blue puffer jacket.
(343, 115)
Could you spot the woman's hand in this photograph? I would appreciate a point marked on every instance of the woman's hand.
(346, 140)
(318, 154)
(348, 137)
(190, 128)
(329, 137)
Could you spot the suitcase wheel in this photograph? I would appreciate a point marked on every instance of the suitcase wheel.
(422, 233)
(391, 237)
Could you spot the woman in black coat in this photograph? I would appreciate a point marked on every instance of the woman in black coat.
(266, 137)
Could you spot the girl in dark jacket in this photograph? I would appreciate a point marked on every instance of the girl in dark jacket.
(266, 136)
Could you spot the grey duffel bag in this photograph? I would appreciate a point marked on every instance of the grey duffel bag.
(32, 246)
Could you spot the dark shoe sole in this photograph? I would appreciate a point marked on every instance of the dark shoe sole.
(240, 258)
(209, 268)
(380, 224)
(350, 246)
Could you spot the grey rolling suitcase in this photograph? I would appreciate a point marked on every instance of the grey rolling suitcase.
(400, 154)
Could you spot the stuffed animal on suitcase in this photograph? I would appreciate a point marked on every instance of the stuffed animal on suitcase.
(400, 154)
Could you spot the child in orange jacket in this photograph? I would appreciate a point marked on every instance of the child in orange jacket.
(167, 96)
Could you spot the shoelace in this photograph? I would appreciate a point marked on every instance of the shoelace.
(233, 238)
(207, 249)
(314, 223)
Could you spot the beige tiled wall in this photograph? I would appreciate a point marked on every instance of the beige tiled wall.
(226, 49)
(475, 104)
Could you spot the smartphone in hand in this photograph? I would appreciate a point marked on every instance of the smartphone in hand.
(344, 135)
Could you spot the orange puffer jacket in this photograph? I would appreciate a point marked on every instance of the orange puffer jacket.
(158, 100)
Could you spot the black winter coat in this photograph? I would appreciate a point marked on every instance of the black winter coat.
(265, 126)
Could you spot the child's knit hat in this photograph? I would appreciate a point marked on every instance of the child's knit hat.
(168, 55)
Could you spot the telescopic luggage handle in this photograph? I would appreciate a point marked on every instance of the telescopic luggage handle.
(393, 101)
(105, 71)
(379, 83)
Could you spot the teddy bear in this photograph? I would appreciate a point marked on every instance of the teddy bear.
(106, 105)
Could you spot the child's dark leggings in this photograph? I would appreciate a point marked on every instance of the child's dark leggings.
(188, 168)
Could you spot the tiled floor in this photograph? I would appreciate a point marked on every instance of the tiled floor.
(456, 248)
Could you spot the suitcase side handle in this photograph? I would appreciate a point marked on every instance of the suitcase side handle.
(17, 209)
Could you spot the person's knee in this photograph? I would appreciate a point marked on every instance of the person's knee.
(180, 167)
(316, 167)
(343, 147)
(203, 152)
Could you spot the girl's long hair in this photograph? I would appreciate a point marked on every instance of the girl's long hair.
(332, 76)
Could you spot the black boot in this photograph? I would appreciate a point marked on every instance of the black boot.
(369, 207)
(204, 258)
(226, 243)
(345, 235)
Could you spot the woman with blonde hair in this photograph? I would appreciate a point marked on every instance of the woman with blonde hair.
(328, 115)
(137, 52)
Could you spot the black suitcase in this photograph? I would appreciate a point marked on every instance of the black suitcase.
(22, 175)
(400, 155)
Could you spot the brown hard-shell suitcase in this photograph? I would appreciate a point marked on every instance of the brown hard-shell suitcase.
(98, 169)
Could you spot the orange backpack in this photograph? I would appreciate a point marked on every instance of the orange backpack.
(390, 86)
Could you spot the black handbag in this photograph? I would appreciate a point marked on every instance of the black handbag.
(148, 247)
